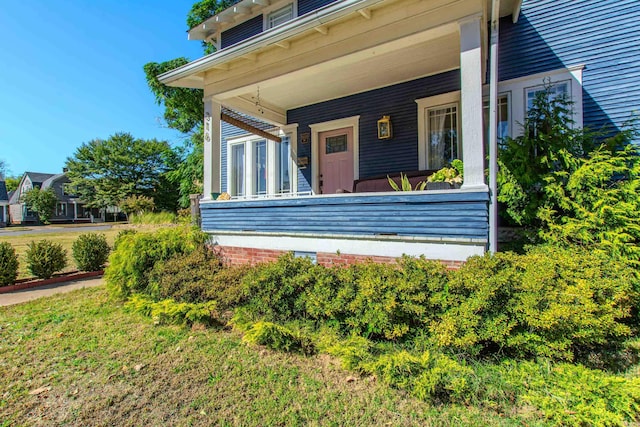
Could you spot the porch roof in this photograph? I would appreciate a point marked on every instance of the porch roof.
(347, 47)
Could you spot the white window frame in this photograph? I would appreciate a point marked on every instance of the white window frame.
(507, 95)
(541, 88)
(430, 103)
(249, 162)
(519, 88)
(246, 177)
(267, 11)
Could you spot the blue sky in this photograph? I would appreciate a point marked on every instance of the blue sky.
(71, 71)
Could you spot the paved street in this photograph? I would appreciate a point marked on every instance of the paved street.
(20, 231)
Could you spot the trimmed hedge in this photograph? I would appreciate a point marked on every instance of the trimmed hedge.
(550, 302)
(90, 251)
(45, 257)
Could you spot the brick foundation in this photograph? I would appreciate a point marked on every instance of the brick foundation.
(237, 256)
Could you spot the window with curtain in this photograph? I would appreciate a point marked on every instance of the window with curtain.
(443, 136)
(259, 167)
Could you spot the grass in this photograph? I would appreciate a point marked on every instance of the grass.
(66, 239)
(93, 363)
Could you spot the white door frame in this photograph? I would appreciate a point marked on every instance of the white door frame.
(316, 129)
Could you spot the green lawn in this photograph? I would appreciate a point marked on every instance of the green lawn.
(80, 359)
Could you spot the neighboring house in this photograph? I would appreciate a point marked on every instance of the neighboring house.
(68, 208)
(354, 90)
(4, 204)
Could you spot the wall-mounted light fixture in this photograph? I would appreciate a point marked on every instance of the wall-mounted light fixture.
(384, 128)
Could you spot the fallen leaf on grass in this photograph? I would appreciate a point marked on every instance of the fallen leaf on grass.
(39, 390)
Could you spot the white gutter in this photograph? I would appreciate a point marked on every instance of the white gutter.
(292, 28)
(516, 11)
(493, 127)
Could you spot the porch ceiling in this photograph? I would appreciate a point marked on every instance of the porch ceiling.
(379, 67)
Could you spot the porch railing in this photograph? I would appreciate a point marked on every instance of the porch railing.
(455, 215)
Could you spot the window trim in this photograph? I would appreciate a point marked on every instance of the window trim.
(274, 8)
(430, 103)
(289, 131)
(541, 87)
(519, 86)
(485, 99)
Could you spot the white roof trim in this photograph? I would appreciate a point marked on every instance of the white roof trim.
(294, 27)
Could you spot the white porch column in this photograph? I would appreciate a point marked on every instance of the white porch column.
(75, 211)
(471, 100)
(212, 138)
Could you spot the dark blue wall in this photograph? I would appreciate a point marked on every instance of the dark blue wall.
(241, 31)
(306, 6)
(398, 154)
(254, 25)
(604, 35)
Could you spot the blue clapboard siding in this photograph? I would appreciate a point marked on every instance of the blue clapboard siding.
(442, 215)
(601, 34)
(398, 154)
(241, 31)
(306, 6)
(254, 25)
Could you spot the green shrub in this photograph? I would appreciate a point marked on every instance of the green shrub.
(573, 395)
(377, 300)
(278, 337)
(8, 264)
(199, 277)
(275, 289)
(154, 218)
(185, 277)
(353, 351)
(121, 234)
(597, 204)
(368, 299)
(169, 311)
(550, 302)
(226, 286)
(90, 251)
(136, 205)
(45, 258)
(428, 376)
(135, 256)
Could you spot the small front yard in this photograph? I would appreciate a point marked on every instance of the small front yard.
(81, 359)
(65, 238)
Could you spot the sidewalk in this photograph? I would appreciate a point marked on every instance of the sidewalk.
(47, 290)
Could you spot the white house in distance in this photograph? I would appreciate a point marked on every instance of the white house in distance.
(310, 104)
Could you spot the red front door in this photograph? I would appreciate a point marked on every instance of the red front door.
(336, 160)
